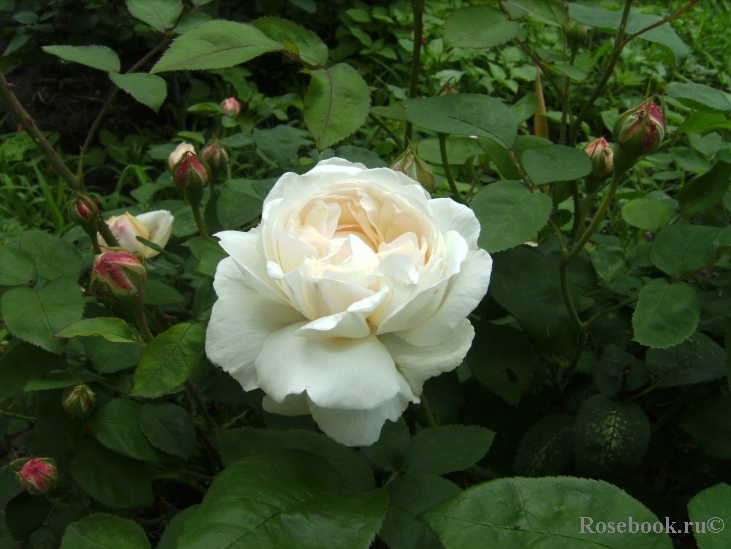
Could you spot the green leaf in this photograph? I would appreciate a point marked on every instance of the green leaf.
(528, 286)
(307, 46)
(117, 426)
(678, 249)
(115, 330)
(700, 97)
(389, 450)
(280, 145)
(169, 539)
(705, 191)
(148, 89)
(25, 514)
(705, 508)
(96, 57)
(160, 293)
(647, 214)
(36, 315)
(108, 357)
(617, 370)
(609, 262)
(696, 360)
(545, 11)
(336, 104)
(447, 448)
(555, 163)
(708, 424)
(169, 359)
(161, 15)
(459, 150)
(573, 72)
(610, 438)
(509, 214)
(169, 428)
(609, 21)
(666, 314)
(282, 499)
(478, 27)
(16, 267)
(54, 257)
(703, 122)
(102, 531)
(547, 447)
(502, 359)
(111, 479)
(464, 114)
(216, 44)
(408, 497)
(237, 444)
(514, 513)
(61, 380)
(22, 363)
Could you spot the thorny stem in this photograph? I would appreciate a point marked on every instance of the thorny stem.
(447, 169)
(106, 233)
(11, 415)
(418, 9)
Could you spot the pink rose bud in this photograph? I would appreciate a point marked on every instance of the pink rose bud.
(78, 401)
(38, 475)
(119, 274)
(83, 212)
(637, 132)
(231, 107)
(191, 172)
(413, 166)
(177, 155)
(601, 155)
(215, 156)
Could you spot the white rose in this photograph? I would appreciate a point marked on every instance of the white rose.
(177, 155)
(153, 226)
(350, 294)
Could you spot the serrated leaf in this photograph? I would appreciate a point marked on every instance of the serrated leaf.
(23, 363)
(37, 315)
(169, 428)
(677, 250)
(108, 357)
(666, 314)
(547, 447)
(695, 360)
(647, 214)
(546, 11)
(447, 448)
(54, 257)
(61, 380)
(309, 47)
(101, 531)
(708, 423)
(161, 15)
(478, 27)
(509, 214)
(700, 97)
(115, 330)
(216, 44)
(336, 105)
(705, 191)
(148, 89)
(96, 57)
(16, 267)
(389, 450)
(706, 508)
(609, 262)
(555, 163)
(169, 359)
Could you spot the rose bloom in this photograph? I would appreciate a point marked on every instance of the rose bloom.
(350, 294)
(153, 226)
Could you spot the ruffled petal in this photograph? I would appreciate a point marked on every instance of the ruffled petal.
(336, 373)
(456, 217)
(417, 364)
(293, 405)
(466, 290)
(361, 427)
(241, 321)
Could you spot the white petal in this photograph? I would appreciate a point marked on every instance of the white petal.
(413, 312)
(336, 373)
(452, 216)
(361, 427)
(417, 364)
(293, 405)
(466, 290)
(160, 225)
(241, 321)
(246, 250)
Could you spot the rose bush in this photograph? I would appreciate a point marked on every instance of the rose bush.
(350, 294)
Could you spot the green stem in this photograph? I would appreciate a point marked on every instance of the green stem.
(65, 507)
(418, 9)
(196, 399)
(106, 233)
(431, 421)
(389, 131)
(199, 221)
(609, 310)
(139, 313)
(92, 133)
(21, 417)
(20, 115)
(447, 169)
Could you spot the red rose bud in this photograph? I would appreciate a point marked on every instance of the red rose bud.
(413, 166)
(38, 475)
(215, 156)
(601, 156)
(83, 211)
(192, 175)
(638, 132)
(231, 107)
(119, 274)
(78, 401)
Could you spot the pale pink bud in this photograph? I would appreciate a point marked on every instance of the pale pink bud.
(119, 274)
(231, 107)
(215, 156)
(178, 154)
(601, 155)
(38, 475)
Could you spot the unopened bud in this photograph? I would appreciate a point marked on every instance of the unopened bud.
(38, 475)
(576, 34)
(119, 274)
(192, 175)
(637, 132)
(216, 157)
(231, 107)
(448, 89)
(601, 155)
(84, 212)
(413, 166)
(78, 401)
(177, 155)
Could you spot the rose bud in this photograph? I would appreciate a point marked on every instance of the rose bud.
(83, 211)
(637, 132)
(119, 274)
(413, 166)
(177, 155)
(78, 401)
(601, 155)
(38, 475)
(216, 157)
(231, 107)
(155, 226)
(576, 34)
(192, 175)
